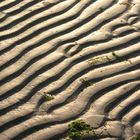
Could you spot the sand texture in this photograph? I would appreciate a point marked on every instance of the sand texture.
(84, 53)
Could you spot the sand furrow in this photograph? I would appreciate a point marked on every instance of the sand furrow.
(85, 96)
(7, 4)
(84, 53)
(27, 13)
(69, 75)
(124, 52)
(59, 29)
(43, 16)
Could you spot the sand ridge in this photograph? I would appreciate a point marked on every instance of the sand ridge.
(51, 46)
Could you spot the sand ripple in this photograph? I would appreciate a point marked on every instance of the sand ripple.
(50, 46)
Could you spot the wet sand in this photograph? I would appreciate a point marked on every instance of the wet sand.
(84, 53)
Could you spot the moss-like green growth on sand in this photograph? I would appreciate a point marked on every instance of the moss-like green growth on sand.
(48, 96)
(98, 60)
(136, 138)
(77, 130)
(85, 82)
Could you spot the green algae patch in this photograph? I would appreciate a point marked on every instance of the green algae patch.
(48, 97)
(79, 130)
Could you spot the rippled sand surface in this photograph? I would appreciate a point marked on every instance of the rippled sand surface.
(85, 53)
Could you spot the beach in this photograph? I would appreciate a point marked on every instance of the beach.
(68, 60)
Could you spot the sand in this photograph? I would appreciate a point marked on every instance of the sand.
(84, 53)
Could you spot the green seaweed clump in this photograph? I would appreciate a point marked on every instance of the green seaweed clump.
(98, 60)
(48, 97)
(136, 138)
(86, 82)
(77, 130)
